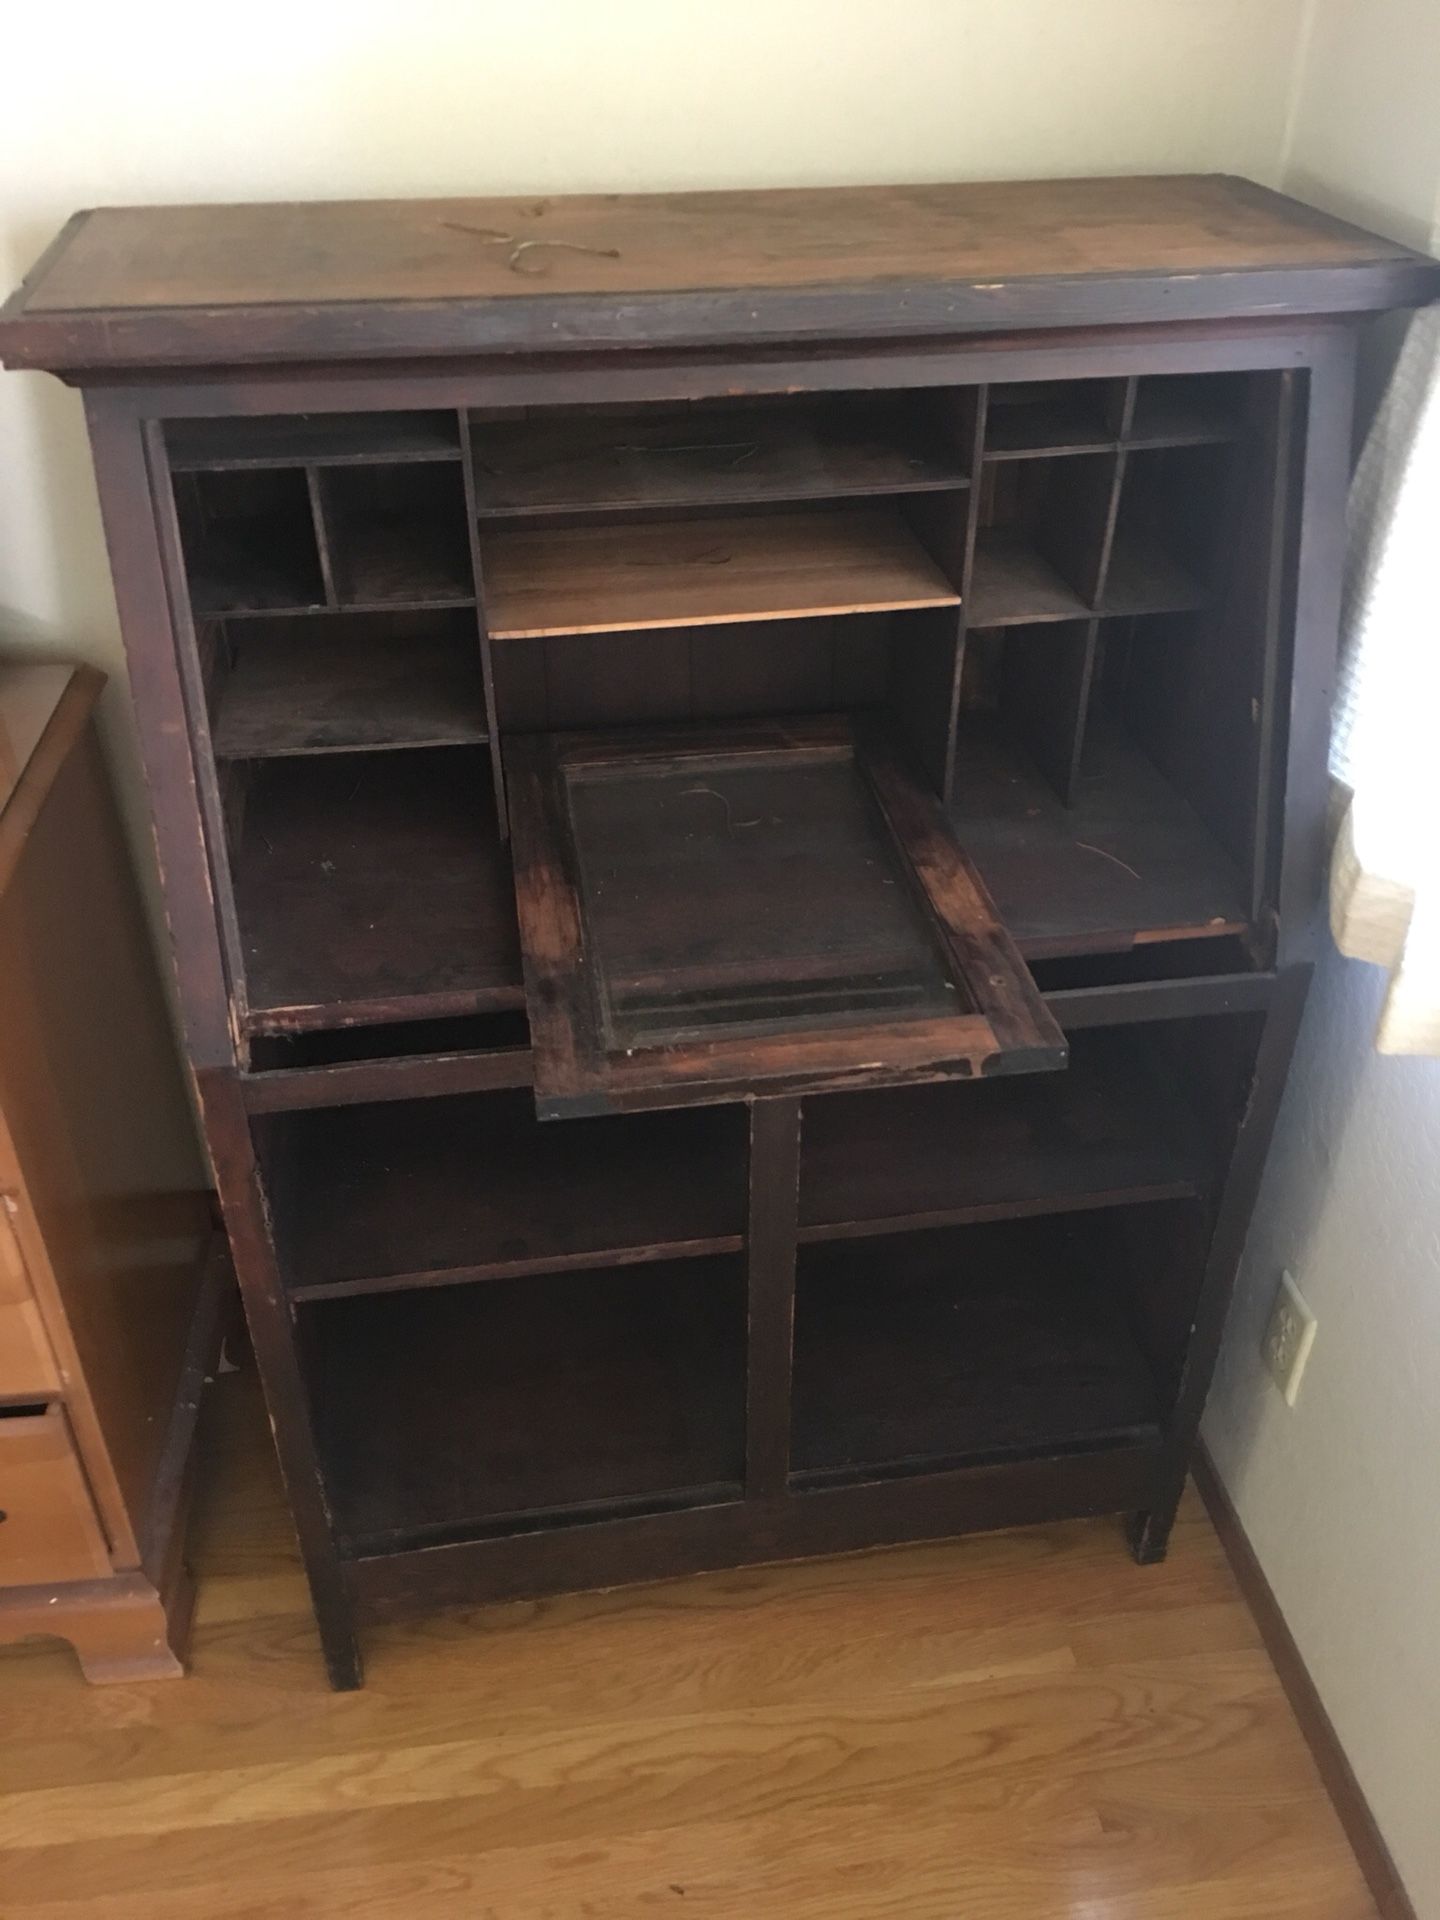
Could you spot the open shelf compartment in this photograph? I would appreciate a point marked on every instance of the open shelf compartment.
(413, 1193)
(641, 458)
(1115, 1127)
(462, 1412)
(971, 1345)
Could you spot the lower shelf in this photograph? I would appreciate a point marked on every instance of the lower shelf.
(505, 1406)
(943, 1349)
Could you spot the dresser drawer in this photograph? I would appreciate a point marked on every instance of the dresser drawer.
(27, 1365)
(49, 1531)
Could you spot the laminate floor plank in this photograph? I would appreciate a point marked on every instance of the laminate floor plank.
(1021, 1726)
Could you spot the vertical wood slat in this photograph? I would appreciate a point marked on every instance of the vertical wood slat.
(271, 1320)
(1277, 590)
(1150, 1531)
(979, 412)
(482, 629)
(770, 1244)
(320, 527)
(1324, 483)
(192, 690)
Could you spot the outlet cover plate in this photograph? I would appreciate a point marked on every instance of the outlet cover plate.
(1289, 1335)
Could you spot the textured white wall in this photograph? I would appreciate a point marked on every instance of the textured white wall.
(1341, 1497)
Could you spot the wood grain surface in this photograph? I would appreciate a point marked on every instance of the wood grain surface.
(172, 285)
(1024, 1727)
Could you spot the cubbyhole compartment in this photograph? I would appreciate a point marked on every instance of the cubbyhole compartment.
(311, 439)
(467, 1412)
(967, 1345)
(1043, 538)
(1127, 859)
(611, 459)
(249, 541)
(1039, 679)
(695, 673)
(347, 682)
(397, 535)
(1168, 531)
(1117, 1125)
(402, 1194)
(369, 888)
(1031, 419)
(1186, 409)
(903, 663)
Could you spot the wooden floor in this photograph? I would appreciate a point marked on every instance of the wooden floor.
(1024, 1727)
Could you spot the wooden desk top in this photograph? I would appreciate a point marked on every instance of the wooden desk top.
(137, 287)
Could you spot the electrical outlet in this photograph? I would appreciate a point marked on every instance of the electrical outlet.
(1289, 1336)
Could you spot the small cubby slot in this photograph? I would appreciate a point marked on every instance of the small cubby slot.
(371, 887)
(1187, 409)
(1043, 539)
(638, 458)
(311, 439)
(1032, 419)
(249, 542)
(966, 1345)
(1167, 531)
(408, 1193)
(465, 1411)
(397, 535)
(352, 681)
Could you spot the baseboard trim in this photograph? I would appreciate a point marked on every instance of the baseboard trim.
(1368, 1844)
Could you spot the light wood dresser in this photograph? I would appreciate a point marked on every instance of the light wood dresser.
(110, 1280)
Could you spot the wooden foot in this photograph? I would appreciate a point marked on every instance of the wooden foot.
(122, 1629)
(1149, 1536)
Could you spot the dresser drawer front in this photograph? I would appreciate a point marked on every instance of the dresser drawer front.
(50, 1531)
(27, 1364)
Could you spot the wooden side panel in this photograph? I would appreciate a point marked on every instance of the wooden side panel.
(108, 1199)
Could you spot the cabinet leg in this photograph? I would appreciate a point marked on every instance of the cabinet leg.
(1149, 1533)
(343, 1665)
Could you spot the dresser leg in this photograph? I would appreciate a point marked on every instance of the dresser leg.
(122, 1629)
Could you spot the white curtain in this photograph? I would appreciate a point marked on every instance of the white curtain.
(1385, 873)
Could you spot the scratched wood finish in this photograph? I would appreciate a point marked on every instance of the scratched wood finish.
(175, 285)
(787, 997)
(982, 1727)
(1110, 420)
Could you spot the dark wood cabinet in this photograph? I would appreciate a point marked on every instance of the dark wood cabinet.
(741, 786)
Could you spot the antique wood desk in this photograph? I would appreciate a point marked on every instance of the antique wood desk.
(740, 780)
(110, 1264)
